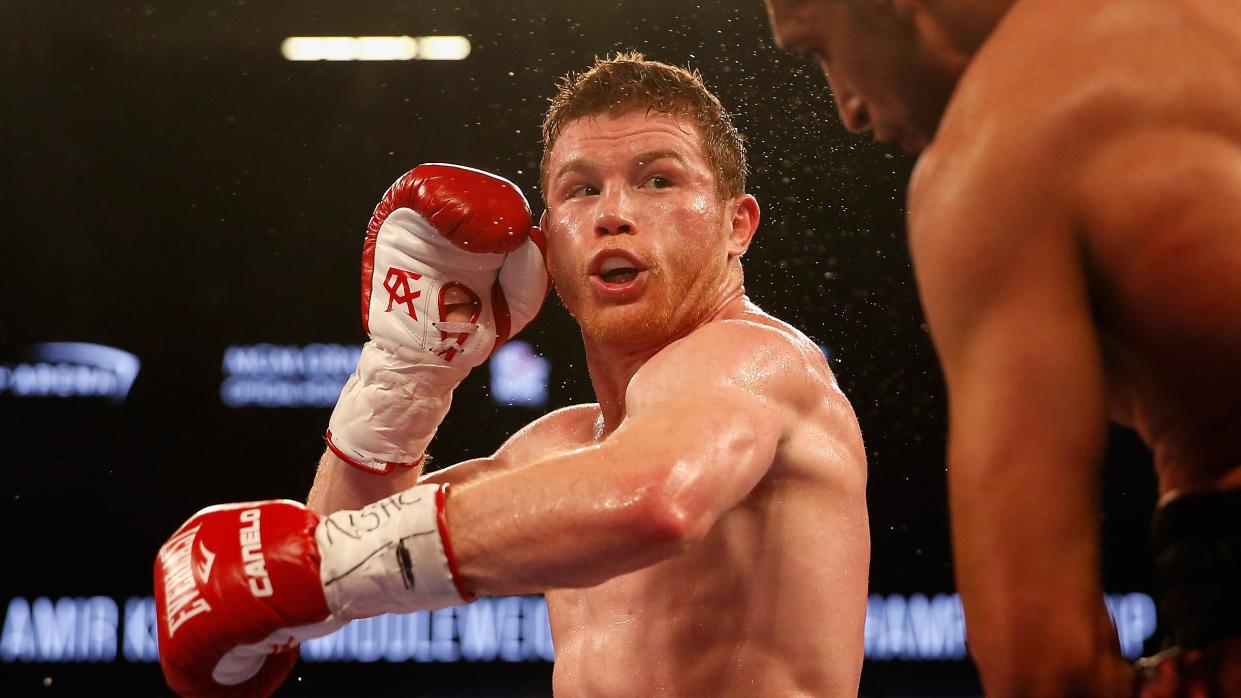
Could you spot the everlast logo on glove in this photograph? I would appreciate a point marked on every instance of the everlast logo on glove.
(204, 568)
(184, 601)
(252, 554)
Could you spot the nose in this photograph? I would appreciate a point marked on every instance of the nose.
(852, 110)
(612, 216)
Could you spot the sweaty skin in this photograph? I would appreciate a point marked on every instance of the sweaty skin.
(702, 529)
(1075, 225)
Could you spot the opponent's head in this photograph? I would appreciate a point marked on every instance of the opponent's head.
(891, 64)
(647, 217)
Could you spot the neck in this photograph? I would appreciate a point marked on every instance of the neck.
(612, 366)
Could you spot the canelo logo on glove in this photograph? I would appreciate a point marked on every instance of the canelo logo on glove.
(252, 554)
(396, 283)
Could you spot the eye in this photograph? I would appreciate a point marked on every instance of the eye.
(658, 182)
(582, 190)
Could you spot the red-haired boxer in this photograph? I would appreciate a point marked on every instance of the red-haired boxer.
(701, 530)
(1075, 225)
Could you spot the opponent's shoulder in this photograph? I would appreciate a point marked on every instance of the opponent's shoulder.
(1057, 79)
(1045, 122)
(1022, 118)
(565, 428)
(753, 351)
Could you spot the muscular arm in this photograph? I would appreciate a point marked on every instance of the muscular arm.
(703, 423)
(339, 486)
(1003, 283)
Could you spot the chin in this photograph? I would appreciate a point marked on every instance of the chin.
(638, 324)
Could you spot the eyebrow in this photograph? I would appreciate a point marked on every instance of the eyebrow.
(582, 165)
(574, 165)
(653, 155)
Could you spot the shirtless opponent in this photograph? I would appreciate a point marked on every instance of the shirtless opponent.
(701, 530)
(1075, 226)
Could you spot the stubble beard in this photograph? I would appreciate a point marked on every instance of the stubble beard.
(625, 326)
(668, 309)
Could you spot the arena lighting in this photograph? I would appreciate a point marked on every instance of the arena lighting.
(375, 48)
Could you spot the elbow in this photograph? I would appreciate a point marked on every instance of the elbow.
(671, 518)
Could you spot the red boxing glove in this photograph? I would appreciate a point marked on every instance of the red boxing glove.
(475, 212)
(237, 587)
(439, 228)
(224, 583)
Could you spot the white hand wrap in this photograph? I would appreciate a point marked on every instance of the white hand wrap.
(391, 556)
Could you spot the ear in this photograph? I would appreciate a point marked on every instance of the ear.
(543, 221)
(743, 215)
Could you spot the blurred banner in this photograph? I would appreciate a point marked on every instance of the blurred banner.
(502, 629)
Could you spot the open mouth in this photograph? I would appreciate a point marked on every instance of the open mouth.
(619, 274)
(616, 267)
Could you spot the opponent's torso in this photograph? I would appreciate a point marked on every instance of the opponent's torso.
(771, 602)
(1159, 216)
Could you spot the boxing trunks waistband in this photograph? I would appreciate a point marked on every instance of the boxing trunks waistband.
(1197, 543)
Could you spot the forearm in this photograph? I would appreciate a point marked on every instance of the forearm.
(1027, 562)
(469, 471)
(559, 523)
(338, 485)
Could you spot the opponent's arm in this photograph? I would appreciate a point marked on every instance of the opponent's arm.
(1003, 283)
(703, 423)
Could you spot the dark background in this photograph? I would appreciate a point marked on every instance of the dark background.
(172, 186)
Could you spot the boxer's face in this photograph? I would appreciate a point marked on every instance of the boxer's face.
(638, 243)
(882, 76)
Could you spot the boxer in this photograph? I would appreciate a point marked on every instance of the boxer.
(1075, 227)
(700, 530)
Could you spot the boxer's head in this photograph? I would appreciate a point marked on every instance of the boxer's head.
(647, 216)
(891, 64)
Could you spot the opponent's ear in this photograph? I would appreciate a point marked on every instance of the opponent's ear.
(743, 215)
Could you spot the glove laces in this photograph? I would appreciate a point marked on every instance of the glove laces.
(454, 336)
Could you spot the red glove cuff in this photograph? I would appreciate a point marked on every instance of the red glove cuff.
(442, 518)
(375, 468)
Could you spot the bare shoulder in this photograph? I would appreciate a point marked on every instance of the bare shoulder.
(565, 428)
(1033, 106)
(1046, 125)
(754, 353)
(1037, 102)
(759, 371)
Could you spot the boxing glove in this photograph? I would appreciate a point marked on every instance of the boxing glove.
(439, 229)
(239, 586)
